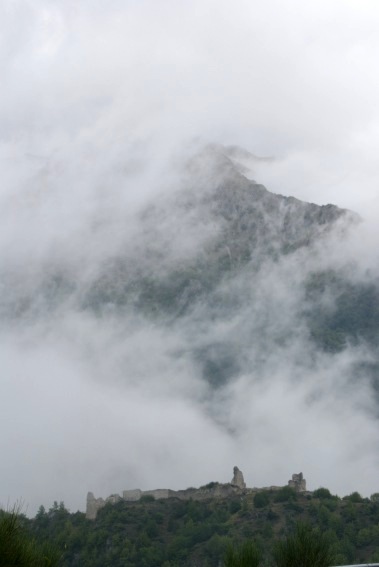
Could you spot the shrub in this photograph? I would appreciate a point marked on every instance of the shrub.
(147, 498)
(284, 494)
(261, 499)
(210, 485)
(246, 555)
(17, 548)
(234, 506)
(354, 497)
(322, 493)
(304, 548)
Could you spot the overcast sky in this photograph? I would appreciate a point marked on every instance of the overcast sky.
(90, 90)
(293, 80)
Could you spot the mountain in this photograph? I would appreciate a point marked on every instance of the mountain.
(210, 250)
(213, 322)
(188, 243)
(217, 225)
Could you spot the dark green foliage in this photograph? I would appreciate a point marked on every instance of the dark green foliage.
(306, 547)
(18, 549)
(261, 499)
(341, 311)
(234, 506)
(285, 494)
(322, 493)
(210, 485)
(246, 555)
(147, 498)
(186, 533)
(354, 497)
(272, 516)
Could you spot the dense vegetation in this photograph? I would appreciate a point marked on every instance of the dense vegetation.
(18, 548)
(176, 533)
(341, 311)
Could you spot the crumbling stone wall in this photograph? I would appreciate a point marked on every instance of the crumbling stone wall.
(238, 479)
(131, 495)
(298, 482)
(213, 490)
(93, 505)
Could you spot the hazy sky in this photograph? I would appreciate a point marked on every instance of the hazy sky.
(294, 80)
(99, 102)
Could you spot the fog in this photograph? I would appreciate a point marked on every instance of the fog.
(102, 109)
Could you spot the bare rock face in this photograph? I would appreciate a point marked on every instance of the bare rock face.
(238, 479)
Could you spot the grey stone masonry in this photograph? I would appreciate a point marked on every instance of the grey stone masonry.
(212, 490)
(238, 479)
(298, 482)
(93, 505)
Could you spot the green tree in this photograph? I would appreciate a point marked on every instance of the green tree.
(322, 493)
(354, 497)
(18, 549)
(304, 548)
(246, 555)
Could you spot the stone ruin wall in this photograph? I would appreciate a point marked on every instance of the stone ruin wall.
(213, 490)
(298, 482)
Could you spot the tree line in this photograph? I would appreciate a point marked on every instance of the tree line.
(270, 526)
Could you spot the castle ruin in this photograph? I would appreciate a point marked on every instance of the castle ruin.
(237, 479)
(207, 492)
(298, 482)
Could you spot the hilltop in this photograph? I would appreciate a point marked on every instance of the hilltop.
(213, 490)
(173, 532)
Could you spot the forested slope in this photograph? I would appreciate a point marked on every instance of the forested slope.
(175, 533)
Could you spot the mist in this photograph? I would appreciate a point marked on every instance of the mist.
(108, 198)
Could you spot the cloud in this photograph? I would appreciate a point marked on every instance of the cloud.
(100, 109)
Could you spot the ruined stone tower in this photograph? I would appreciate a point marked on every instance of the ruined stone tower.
(238, 479)
(237, 486)
(298, 482)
